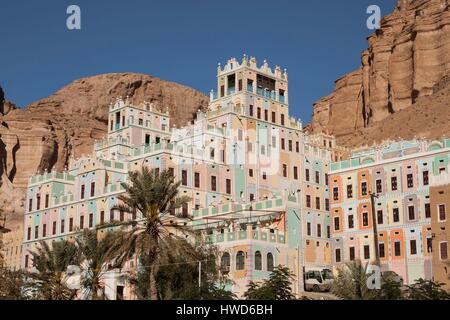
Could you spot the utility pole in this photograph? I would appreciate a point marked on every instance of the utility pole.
(374, 196)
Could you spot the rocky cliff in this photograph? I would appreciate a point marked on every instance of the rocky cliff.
(50, 131)
(408, 59)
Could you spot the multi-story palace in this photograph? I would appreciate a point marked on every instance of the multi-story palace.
(410, 217)
(258, 183)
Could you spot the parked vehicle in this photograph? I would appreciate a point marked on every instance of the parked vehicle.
(318, 279)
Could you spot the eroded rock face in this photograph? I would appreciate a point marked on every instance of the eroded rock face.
(50, 131)
(406, 58)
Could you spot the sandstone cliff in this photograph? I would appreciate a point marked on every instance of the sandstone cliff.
(407, 59)
(50, 131)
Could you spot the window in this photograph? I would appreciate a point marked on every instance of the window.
(82, 222)
(443, 250)
(274, 117)
(317, 177)
(282, 119)
(427, 210)
(328, 233)
(197, 179)
(411, 213)
(250, 110)
(307, 174)
(259, 113)
(29, 234)
(240, 85)
(266, 115)
(338, 255)
(380, 216)
(274, 142)
(297, 147)
(250, 172)
(111, 215)
(102, 217)
(54, 228)
(413, 247)
(70, 224)
(211, 153)
(442, 213)
(429, 245)
(240, 261)
(366, 252)
(228, 186)
(319, 230)
(82, 191)
(308, 228)
(222, 91)
(252, 197)
(225, 262)
(379, 186)
(141, 122)
(349, 191)
(258, 260)
(397, 249)
(336, 193)
(185, 209)
(38, 201)
(283, 145)
(308, 201)
(30, 204)
(426, 179)
(27, 258)
(396, 215)
(121, 216)
(63, 226)
(409, 180)
(337, 225)
(213, 183)
(317, 203)
(290, 145)
(364, 188)
(352, 253)
(36, 232)
(381, 250)
(351, 222)
(91, 220)
(184, 181)
(270, 263)
(327, 204)
(295, 173)
(365, 219)
(47, 200)
(394, 183)
(285, 170)
(92, 189)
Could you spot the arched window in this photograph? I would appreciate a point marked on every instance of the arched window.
(225, 261)
(269, 262)
(258, 260)
(240, 261)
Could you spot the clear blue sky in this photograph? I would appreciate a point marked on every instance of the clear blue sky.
(181, 41)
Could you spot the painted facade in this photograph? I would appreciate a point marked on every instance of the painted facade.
(244, 164)
(399, 174)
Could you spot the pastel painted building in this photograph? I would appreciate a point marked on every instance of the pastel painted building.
(12, 248)
(399, 174)
(243, 163)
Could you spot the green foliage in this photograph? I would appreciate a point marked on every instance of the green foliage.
(49, 282)
(351, 282)
(427, 290)
(277, 287)
(391, 287)
(12, 285)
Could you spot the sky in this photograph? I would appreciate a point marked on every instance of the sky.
(181, 41)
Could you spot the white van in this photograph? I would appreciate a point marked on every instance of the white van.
(318, 279)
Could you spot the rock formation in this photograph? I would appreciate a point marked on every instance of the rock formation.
(50, 131)
(407, 57)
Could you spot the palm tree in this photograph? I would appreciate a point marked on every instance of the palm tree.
(351, 282)
(155, 197)
(50, 281)
(94, 256)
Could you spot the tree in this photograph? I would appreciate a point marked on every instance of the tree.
(94, 256)
(351, 282)
(179, 278)
(50, 279)
(155, 197)
(277, 287)
(12, 285)
(391, 287)
(427, 290)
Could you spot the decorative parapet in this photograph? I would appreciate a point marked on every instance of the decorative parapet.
(251, 63)
(52, 176)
